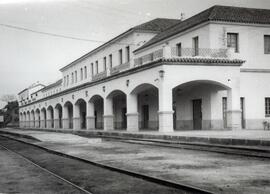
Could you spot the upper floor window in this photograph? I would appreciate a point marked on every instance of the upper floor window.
(81, 73)
(267, 107)
(266, 44)
(72, 78)
(127, 54)
(105, 63)
(96, 67)
(195, 46)
(120, 56)
(67, 80)
(76, 77)
(85, 72)
(232, 41)
(92, 69)
(179, 49)
(111, 62)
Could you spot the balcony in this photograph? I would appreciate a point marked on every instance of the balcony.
(99, 76)
(174, 52)
(119, 68)
(148, 58)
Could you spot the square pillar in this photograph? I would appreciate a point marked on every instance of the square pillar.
(108, 114)
(56, 119)
(90, 116)
(165, 113)
(132, 113)
(234, 110)
(65, 118)
(76, 117)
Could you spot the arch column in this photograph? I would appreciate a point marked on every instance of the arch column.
(32, 119)
(165, 113)
(49, 119)
(234, 110)
(65, 118)
(90, 116)
(28, 120)
(36, 119)
(42, 119)
(108, 114)
(56, 118)
(132, 113)
(76, 117)
(21, 120)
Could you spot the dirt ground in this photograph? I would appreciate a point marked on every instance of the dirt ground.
(220, 173)
(19, 176)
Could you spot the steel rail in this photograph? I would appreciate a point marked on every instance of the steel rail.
(153, 179)
(46, 170)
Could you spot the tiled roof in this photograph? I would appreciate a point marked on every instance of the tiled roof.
(202, 60)
(156, 25)
(215, 13)
(58, 82)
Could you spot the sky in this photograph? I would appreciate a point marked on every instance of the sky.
(28, 57)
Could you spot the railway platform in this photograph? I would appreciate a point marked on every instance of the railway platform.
(249, 138)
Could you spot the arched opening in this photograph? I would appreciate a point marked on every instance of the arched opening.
(44, 119)
(119, 103)
(69, 111)
(50, 115)
(81, 109)
(59, 113)
(200, 105)
(147, 104)
(97, 101)
(37, 117)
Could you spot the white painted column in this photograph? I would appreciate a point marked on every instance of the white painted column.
(90, 116)
(32, 120)
(65, 119)
(56, 118)
(165, 107)
(234, 109)
(42, 119)
(36, 120)
(49, 119)
(21, 120)
(108, 114)
(132, 113)
(76, 117)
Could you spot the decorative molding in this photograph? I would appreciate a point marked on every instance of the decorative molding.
(255, 70)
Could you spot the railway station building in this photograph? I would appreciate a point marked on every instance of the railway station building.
(209, 71)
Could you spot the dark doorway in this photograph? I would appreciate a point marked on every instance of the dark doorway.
(224, 111)
(96, 119)
(83, 122)
(242, 100)
(197, 114)
(145, 116)
(124, 118)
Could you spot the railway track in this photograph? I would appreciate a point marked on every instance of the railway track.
(93, 177)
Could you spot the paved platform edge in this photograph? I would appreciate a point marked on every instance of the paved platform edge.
(171, 139)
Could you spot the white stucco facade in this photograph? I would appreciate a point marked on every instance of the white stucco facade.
(156, 88)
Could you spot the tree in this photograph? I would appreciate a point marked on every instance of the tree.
(8, 98)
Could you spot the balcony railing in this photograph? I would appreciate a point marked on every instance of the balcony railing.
(120, 68)
(149, 57)
(99, 76)
(201, 52)
(174, 52)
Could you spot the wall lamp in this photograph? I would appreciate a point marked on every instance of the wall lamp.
(104, 88)
(161, 73)
(127, 83)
